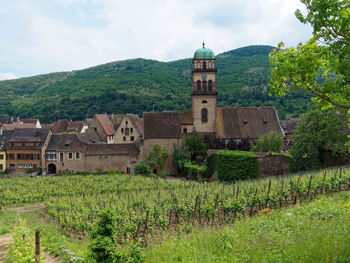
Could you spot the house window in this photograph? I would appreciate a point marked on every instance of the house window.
(70, 156)
(122, 130)
(204, 115)
(1, 167)
(51, 156)
(61, 157)
(124, 138)
(77, 156)
(198, 85)
(25, 166)
(131, 130)
(204, 65)
(35, 156)
(210, 85)
(128, 170)
(126, 131)
(132, 138)
(204, 101)
(126, 122)
(185, 130)
(1, 157)
(11, 156)
(12, 167)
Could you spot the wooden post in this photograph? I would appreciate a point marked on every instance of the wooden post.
(268, 193)
(324, 178)
(37, 246)
(296, 191)
(252, 207)
(308, 188)
(86, 226)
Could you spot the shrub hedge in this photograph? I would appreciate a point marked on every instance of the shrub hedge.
(236, 165)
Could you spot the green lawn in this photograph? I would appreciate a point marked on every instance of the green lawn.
(316, 232)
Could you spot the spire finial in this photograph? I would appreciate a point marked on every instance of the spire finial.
(203, 44)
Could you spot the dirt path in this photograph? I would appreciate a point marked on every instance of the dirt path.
(27, 208)
(5, 242)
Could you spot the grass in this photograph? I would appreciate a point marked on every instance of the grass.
(316, 232)
(53, 237)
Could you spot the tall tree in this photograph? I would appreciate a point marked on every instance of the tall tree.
(322, 65)
(319, 135)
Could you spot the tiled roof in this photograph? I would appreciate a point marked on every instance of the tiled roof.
(13, 126)
(29, 135)
(90, 137)
(117, 119)
(113, 149)
(4, 137)
(105, 123)
(246, 122)
(75, 126)
(162, 125)
(66, 142)
(289, 126)
(186, 116)
(60, 126)
(5, 120)
(30, 120)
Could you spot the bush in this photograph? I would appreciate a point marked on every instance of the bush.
(193, 170)
(211, 166)
(163, 174)
(196, 147)
(180, 157)
(271, 142)
(142, 168)
(236, 165)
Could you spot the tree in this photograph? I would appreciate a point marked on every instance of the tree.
(318, 135)
(322, 65)
(196, 147)
(271, 142)
(180, 157)
(157, 157)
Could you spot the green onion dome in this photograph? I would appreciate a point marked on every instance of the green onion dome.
(204, 53)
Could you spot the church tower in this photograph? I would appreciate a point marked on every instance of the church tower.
(204, 92)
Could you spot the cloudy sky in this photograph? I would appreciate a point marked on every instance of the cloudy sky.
(42, 36)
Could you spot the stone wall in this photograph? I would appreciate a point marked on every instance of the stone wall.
(272, 165)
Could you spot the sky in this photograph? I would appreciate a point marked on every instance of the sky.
(43, 36)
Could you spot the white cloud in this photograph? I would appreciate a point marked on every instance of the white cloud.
(155, 29)
(7, 76)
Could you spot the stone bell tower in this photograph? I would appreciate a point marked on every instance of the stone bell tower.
(204, 92)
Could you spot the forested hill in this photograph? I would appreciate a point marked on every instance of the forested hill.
(138, 85)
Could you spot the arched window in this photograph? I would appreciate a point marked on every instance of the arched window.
(204, 101)
(198, 85)
(204, 85)
(204, 115)
(204, 65)
(210, 85)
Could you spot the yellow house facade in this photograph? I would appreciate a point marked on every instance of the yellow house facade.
(2, 161)
(130, 129)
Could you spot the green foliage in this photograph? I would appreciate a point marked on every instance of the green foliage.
(163, 174)
(29, 170)
(142, 168)
(180, 157)
(319, 134)
(196, 146)
(192, 171)
(136, 85)
(314, 232)
(211, 165)
(271, 142)
(321, 66)
(236, 165)
(23, 249)
(157, 157)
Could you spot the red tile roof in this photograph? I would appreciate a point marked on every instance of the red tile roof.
(13, 126)
(105, 123)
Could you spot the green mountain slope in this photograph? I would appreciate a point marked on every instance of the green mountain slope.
(139, 85)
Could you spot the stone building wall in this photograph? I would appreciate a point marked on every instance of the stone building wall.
(272, 165)
(197, 106)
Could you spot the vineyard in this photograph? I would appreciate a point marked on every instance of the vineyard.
(145, 206)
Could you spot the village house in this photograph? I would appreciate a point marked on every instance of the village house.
(25, 149)
(67, 153)
(164, 129)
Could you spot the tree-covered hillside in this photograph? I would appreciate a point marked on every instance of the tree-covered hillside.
(138, 85)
